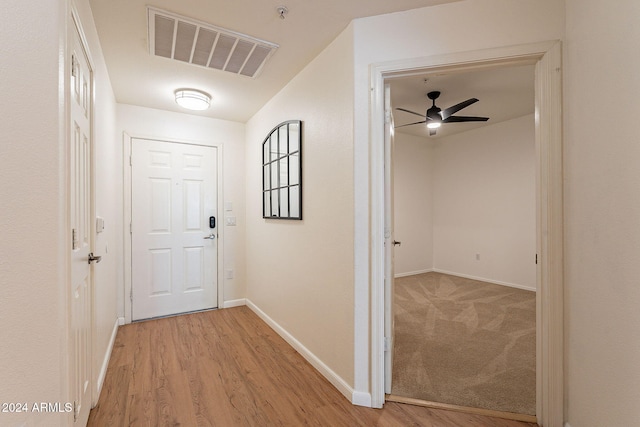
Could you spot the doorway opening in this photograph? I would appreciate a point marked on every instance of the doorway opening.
(464, 209)
(546, 58)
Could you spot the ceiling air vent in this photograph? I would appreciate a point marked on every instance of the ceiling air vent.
(183, 39)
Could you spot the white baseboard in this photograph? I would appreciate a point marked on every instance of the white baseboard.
(234, 303)
(412, 273)
(107, 357)
(357, 398)
(361, 399)
(483, 279)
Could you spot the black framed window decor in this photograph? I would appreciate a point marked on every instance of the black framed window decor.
(282, 172)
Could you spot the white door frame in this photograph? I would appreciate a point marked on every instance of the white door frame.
(389, 236)
(549, 186)
(127, 138)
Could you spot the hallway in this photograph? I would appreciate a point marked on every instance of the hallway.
(228, 368)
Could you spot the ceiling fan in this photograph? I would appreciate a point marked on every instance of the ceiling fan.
(435, 116)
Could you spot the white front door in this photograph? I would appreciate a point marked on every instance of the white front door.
(389, 239)
(81, 214)
(174, 246)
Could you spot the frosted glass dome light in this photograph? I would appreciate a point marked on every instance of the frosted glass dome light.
(193, 99)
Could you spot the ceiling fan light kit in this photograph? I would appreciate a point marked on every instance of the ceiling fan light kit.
(435, 116)
(193, 99)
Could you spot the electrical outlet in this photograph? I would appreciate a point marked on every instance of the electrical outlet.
(230, 220)
(228, 274)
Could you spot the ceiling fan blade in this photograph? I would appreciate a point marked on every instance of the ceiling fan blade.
(447, 112)
(409, 111)
(459, 119)
(409, 124)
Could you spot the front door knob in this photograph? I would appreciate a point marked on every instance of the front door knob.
(93, 258)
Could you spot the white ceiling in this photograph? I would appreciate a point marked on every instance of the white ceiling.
(139, 78)
(503, 93)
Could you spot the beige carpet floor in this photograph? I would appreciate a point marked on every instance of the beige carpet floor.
(465, 342)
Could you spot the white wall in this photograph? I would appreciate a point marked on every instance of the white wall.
(32, 262)
(602, 212)
(466, 194)
(147, 122)
(484, 202)
(300, 273)
(413, 200)
(34, 355)
(456, 27)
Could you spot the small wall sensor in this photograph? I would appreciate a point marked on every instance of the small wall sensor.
(282, 11)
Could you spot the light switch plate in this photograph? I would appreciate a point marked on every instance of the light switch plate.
(99, 224)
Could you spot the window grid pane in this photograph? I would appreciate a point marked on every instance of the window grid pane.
(281, 172)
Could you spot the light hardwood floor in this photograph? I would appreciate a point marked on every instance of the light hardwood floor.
(228, 368)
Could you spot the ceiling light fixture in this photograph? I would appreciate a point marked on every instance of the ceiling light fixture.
(193, 99)
(434, 124)
(282, 11)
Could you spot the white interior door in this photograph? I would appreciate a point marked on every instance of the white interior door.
(389, 241)
(174, 249)
(81, 214)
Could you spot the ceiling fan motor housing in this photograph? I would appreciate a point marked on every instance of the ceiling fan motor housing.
(433, 113)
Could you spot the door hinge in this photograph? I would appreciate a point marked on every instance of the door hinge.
(387, 116)
(73, 66)
(130, 161)
(387, 344)
(74, 239)
(75, 411)
(130, 228)
(536, 259)
(131, 294)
